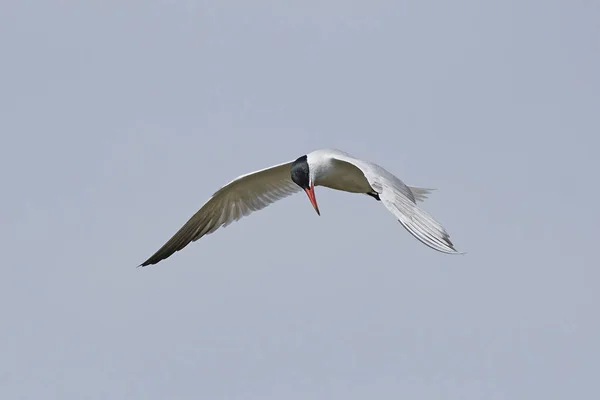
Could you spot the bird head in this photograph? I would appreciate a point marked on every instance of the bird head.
(300, 173)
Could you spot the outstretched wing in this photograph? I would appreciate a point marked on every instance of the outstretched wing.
(400, 200)
(240, 197)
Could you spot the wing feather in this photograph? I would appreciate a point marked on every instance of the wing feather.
(401, 201)
(239, 198)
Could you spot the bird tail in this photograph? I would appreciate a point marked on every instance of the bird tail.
(419, 193)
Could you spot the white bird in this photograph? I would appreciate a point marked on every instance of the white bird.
(325, 167)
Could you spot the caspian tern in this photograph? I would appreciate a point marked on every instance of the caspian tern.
(326, 167)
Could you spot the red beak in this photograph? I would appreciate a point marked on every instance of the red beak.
(310, 192)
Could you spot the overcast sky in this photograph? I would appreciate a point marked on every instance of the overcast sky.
(118, 119)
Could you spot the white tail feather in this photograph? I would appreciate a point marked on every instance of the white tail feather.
(419, 193)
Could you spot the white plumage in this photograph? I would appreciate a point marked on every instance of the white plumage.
(326, 167)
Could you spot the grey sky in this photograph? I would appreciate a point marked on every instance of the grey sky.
(119, 119)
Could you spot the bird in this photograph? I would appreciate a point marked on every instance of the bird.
(330, 168)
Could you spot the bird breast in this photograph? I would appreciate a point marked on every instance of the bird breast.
(341, 175)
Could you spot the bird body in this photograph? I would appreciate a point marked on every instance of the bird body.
(330, 168)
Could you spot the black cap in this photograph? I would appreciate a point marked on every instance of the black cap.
(300, 173)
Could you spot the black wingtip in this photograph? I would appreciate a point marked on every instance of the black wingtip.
(157, 257)
(146, 263)
(149, 261)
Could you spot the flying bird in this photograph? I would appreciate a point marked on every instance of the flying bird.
(325, 167)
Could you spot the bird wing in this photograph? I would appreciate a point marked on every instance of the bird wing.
(240, 197)
(400, 200)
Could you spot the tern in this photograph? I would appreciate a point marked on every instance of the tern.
(330, 168)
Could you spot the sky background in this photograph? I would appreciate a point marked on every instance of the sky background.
(118, 119)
